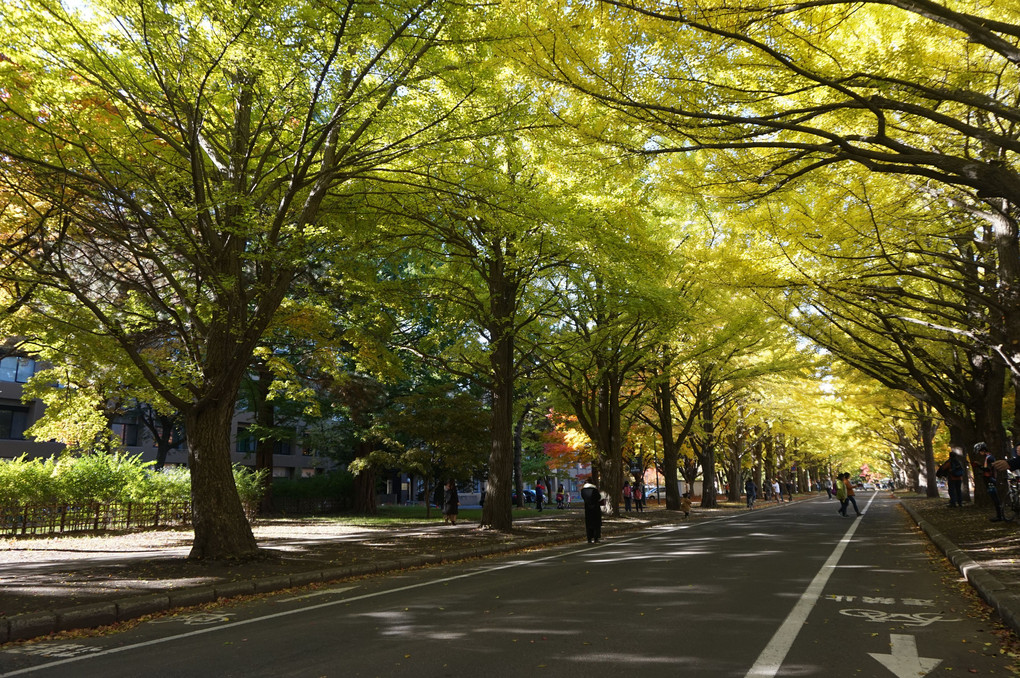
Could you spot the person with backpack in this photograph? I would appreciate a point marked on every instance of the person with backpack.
(987, 471)
(639, 497)
(751, 493)
(626, 497)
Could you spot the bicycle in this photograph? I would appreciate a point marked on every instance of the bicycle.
(1013, 492)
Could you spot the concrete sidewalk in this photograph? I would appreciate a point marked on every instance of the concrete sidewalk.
(984, 577)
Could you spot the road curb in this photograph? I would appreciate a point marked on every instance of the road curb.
(993, 591)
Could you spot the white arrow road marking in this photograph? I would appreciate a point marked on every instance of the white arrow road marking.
(903, 661)
(771, 658)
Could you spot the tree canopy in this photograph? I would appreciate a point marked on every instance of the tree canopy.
(678, 222)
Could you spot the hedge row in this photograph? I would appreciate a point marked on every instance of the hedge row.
(105, 477)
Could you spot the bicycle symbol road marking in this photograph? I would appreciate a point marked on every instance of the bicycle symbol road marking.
(907, 619)
(197, 618)
(60, 651)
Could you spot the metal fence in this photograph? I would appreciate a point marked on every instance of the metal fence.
(42, 519)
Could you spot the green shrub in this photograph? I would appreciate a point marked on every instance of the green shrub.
(249, 484)
(337, 484)
(28, 481)
(107, 477)
(100, 477)
(169, 484)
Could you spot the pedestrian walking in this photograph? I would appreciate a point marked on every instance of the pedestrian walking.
(955, 472)
(451, 503)
(539, 495)
(850, 498)
(840, 491)
(777, 492)
(987, 470)
(751, 494)
(592, 499)
(789, 490)
(559, 497)
(626, 497)
(639, 497)
(685, 505)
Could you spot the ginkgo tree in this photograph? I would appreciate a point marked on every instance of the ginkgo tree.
(916, 313)
(484, 227)
(171, 167)
(759, 102)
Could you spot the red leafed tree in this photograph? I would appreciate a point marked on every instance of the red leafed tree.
(564, 444)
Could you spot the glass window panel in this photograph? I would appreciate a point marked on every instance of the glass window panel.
(13, 422)
(9, 369)
(26, 368)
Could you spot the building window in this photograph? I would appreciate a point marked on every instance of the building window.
(127, 432)
(16, 369)
(245, 440)
(282, 447)
(13, 422)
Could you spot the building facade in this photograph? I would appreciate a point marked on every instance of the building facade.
(291, 459)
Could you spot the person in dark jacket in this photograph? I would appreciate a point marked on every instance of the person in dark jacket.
(451, 503)
(955, 472)
(986, 468)
(1011, 464)
(592, 499)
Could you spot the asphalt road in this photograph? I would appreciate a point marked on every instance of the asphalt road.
(796, 592)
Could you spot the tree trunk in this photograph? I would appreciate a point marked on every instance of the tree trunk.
(670, 453)
(990, 382)
(497, 513)
(926, 428)
(614, 458)
(961, 439)
(708, 498)
(222, 531)
(364, 485)
(733, 470)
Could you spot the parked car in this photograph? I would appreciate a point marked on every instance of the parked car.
(655, 493)
(529, 497)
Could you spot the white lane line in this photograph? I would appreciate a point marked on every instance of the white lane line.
(287, 613)
(324, 592)
(771, 658)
